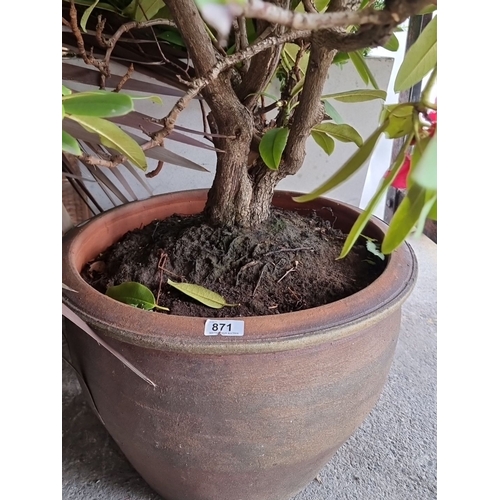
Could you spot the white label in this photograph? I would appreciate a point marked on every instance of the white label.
(228, 328)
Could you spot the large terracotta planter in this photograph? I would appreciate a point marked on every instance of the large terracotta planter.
(232, 418)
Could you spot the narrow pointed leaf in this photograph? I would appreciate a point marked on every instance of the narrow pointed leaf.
(332, 112)
(433, 212)
(324, 141)
(430, 200)
(86, 15)
(70, 144)
(134, 294)
(424, 172)
(201, 294)
(392, 44)
(113, 137)
(405, 218)
(364, 71)
(420, 59)
(272, 145)
(99, 103)
(344, 133)
(121, 178)
(365, 216)
(361, 95)
(355, 162)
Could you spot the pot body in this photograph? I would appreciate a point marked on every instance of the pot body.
(232, 418)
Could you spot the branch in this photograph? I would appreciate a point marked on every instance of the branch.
(197, 85)
(398, 11)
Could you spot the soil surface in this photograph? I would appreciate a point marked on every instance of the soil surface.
(287, 264)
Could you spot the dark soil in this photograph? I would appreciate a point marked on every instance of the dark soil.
(287, 264)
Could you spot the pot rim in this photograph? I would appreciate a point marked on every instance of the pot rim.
(269, 333)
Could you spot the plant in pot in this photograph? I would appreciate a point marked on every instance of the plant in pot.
(264, 322)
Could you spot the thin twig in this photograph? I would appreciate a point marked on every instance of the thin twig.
(156, 171)
(125, 78)
(258, 281)
(271, 13)
(288, 250)
(291, 270)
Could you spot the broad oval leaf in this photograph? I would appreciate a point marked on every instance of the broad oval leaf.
(272, 145)
(324, 141)
(113, 137)
(344, 133)
(420, 59)
(355, 162)
(99, 103)
(400, 117)
(361, 95)
(134, 294)
(70, 144)
(143, 10)
(201, 294)
(66, 91)
(373, 248)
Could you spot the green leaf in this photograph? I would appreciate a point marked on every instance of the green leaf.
(373, 248)
(420, 59)
(400, 117)
(324, 141)
(430, 200)
(365, 216)
(172, 36)
(392, 44)
(65, 90)
(341, 58)
(358, 95)
(364, 71)
(113, 137)
(85, 16)
(427, 10)
(355, 162)
(292, 51)
(272, 145)
(433, 212)
(133, 294)
(424, 172)
(143, 10)
(70, 144)
(153, 98)
(201, 294)
(344, 133)
(298, 87)
(98, 103)
(405, 218)
(332, 112)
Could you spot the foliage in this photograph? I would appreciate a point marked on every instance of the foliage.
(275, 121)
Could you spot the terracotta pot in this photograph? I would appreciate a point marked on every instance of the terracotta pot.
(232, 418)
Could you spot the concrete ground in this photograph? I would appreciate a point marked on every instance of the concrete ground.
(391, 456)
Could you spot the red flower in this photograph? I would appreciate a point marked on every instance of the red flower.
(400, 181)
